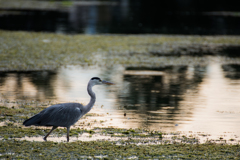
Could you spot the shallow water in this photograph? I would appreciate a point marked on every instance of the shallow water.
(191, 99)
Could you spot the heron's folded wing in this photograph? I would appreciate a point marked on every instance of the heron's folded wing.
(65, 114)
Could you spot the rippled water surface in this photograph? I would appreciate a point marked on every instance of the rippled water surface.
(173, 98)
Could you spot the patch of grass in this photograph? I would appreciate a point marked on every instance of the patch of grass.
(139, 143)
(66, 3)
(18, 114)
(47, 51)
(111, 150)
(31, 4)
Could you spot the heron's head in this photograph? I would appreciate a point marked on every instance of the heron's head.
(98, 81)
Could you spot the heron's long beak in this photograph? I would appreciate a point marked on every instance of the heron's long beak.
(108, 83)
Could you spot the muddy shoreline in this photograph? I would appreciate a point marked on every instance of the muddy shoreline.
(29, 51)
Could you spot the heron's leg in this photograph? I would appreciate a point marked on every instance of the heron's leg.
(68, 129)
(45, 138)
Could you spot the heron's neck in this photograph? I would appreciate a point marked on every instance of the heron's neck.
(89, 106)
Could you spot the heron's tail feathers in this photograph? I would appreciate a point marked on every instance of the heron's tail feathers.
(32, 121)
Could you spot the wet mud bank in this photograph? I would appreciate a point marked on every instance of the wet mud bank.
(19, 142)
(24, 51)
(195, 50)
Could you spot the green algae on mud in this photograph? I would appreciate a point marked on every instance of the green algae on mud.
(34, 5)
(132, 143)
(48, 51)
(14, 149)
(15, 115)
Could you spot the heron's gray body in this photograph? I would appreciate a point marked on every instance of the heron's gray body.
(62, 115)
(65, 114)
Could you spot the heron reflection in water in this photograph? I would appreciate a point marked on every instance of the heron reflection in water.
(65, 114)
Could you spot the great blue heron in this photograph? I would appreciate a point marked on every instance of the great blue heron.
(65, 114)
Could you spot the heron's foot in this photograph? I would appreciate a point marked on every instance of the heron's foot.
(45, 139)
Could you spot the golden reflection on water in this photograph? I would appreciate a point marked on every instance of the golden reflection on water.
(209, 105)
(217, 105)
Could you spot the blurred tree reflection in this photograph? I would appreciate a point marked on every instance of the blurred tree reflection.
(232, 71)
(21, 83)
(152, 92)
